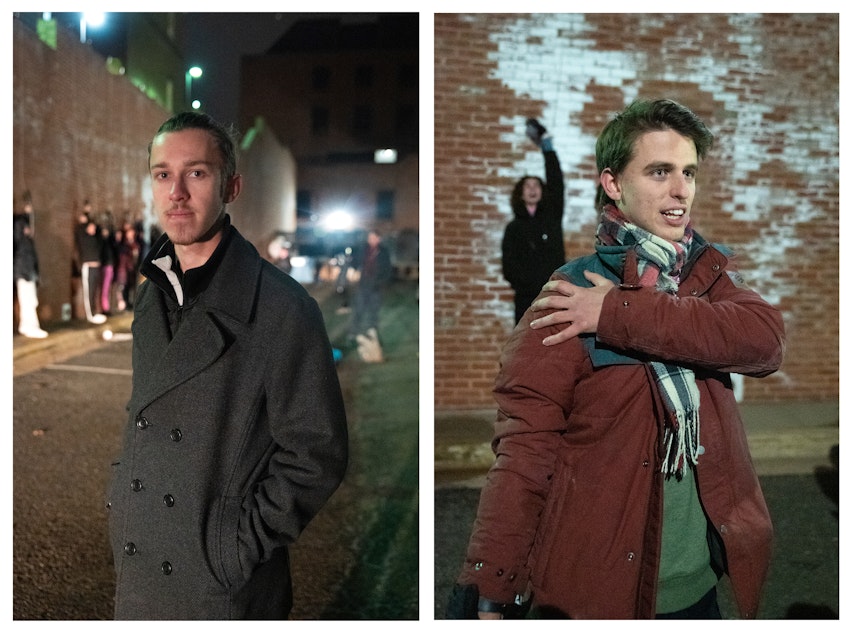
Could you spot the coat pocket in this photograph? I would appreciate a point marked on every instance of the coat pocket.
(222, 544)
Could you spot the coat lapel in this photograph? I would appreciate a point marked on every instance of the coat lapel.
(159, 363)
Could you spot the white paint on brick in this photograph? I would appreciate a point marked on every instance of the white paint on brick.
(550, 58)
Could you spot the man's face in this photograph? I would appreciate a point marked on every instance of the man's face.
(655, 190)
(186, 171)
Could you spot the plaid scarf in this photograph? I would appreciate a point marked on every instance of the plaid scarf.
(659, 264)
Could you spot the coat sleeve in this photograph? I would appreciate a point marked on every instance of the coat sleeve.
(308, 424)
(554, 187)
(534, 392)
(512, 270)
(729, 328)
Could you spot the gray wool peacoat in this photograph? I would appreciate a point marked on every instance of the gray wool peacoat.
(236, 437)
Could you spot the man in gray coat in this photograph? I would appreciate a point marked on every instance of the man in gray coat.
(236, 434)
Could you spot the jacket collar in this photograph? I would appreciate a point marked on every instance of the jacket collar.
(226, 283)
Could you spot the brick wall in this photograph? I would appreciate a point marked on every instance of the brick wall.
(79, 133)
(769, 189)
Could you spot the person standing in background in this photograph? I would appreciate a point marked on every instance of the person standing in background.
(373, 261)
(108, 262)
(25, 271)
(89, 253)
(533, 242)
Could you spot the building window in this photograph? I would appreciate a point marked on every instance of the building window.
(362, 119)
(320, 77)
(303, 203)
(363, 76)
(385, 205)
(319, 120)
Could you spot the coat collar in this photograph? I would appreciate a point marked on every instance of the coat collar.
(161, 361)
(214, 284)
(619, 264)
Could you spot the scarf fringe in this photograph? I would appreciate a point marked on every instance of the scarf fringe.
(659, 264)
(681, 442)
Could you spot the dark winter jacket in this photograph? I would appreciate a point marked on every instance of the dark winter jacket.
(572, 508)
(533, 246)
(375, 266)
(24, 256)
(236, 437)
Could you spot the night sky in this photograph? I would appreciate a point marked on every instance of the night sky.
(216, 42)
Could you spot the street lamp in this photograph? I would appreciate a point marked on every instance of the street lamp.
(95, 19)
(192, 73)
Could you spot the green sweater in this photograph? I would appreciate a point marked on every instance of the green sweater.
(685, 572)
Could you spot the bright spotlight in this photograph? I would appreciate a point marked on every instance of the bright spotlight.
(338, 220)
(386, 155)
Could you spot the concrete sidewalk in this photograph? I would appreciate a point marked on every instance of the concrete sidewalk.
(65, 340)
(784, 438)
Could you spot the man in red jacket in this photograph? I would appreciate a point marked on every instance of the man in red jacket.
(623, 485)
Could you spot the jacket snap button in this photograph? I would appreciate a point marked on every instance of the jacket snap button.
(693, 291)
(646, 463)
(625, 304)
(130, 549)
(630, 557)
(166, 567)
(716, 267)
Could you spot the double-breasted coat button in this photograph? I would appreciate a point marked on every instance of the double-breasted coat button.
(166, 567)
(129, 548)
(175, 435)
(136, 485)
(141, 423)
(168, 499)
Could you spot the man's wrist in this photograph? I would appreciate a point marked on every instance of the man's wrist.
(486, 605)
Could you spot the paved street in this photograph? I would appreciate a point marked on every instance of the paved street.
(803, 502)
(357, 560)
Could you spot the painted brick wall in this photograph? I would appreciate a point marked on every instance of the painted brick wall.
(79, 133)
(769, 189)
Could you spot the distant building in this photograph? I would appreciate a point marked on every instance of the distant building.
(142, 46)
(343, 96)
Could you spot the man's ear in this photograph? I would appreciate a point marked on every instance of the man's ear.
(610, 184)
(233, 188)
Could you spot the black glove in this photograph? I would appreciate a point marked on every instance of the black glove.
(463, 602)
(535, 131)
